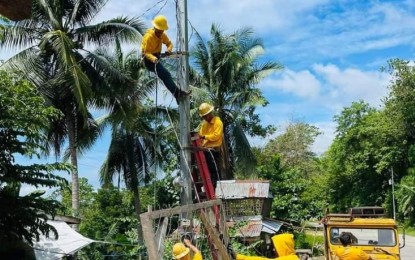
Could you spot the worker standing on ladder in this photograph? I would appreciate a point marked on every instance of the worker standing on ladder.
(151, 46)
(211, 133)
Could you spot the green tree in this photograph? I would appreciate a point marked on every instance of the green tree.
(358, 163)
(137, 143)
(109, 218)
(405, 192)
(294, 146)
(64, 195)
(291, 166)
(400, 104)
(52, 57)
(22, 123)
(227, 72)
(106, 216)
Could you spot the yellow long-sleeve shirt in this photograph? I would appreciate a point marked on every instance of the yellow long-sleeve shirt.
(198, 256)
(351, 253)
(151, 44)
(283, 243)
(212, 131)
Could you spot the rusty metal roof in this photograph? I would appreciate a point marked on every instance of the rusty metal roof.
(237, 189)
(254, 227)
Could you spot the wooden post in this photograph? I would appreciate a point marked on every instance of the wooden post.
(213, 234)
(184, 104)
(161, 234)
(148, 234)
(148, 229)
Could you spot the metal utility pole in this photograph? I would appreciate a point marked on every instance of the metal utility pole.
(393, 195)
(184, 104)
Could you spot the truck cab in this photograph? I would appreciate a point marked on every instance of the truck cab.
(371, 231)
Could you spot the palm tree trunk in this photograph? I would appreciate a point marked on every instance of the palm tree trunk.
(71, 123)
(134, 184)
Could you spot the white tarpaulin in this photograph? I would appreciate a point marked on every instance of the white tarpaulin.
(68, 242)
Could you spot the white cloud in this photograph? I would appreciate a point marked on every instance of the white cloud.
(266, 16)
(351, 84)
(352, 30)
(315, 96)
(302, 83)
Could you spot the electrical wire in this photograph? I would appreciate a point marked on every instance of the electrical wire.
(149, 9)
(179, 47)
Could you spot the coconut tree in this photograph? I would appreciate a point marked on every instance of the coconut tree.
(52, 56)
(227, 72)
(135, 142)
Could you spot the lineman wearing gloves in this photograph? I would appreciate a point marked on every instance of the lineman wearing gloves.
(151, 46)
(211, 133)
(181, 251)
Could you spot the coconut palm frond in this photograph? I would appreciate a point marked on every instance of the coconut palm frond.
(123, 28)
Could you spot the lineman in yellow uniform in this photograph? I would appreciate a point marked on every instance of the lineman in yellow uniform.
(151, 46)
(284, 246)
(347, 252)
(181, 251)
(211, 133)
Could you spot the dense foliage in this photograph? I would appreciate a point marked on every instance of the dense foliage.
(22, 123)
(288, 162)
(227, 70)
(108, 216)
(52, 56)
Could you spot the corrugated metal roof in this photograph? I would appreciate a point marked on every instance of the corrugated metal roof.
(271, 226)
(235, 189)
(254, 227)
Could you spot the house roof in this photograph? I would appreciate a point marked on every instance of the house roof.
(16, 9)
(240, 189)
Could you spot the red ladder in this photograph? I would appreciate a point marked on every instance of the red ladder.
(204, 187)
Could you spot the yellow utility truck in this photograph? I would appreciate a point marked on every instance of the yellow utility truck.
(371, 231)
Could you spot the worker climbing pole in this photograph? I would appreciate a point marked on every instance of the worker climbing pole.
(151, 47)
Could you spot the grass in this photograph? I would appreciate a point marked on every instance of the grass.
(410, 231)
(314, 241)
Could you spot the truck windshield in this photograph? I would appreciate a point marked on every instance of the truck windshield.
(365, 236)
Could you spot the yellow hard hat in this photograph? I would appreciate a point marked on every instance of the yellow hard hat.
(205, 109)
(160, 23)
(179, 250)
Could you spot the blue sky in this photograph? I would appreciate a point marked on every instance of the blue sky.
(331, 50)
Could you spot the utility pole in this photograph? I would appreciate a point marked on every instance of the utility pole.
(184, 103)
(393, 195)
